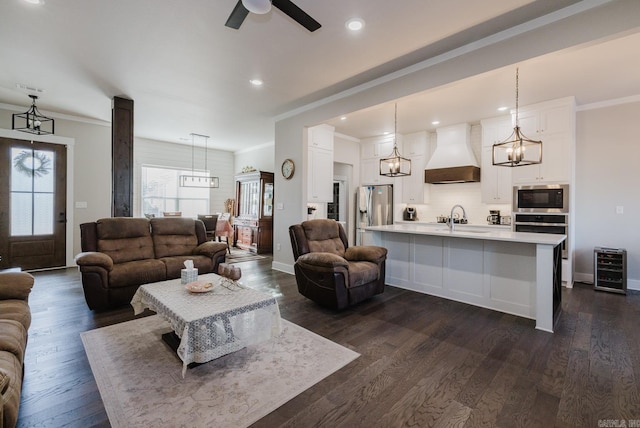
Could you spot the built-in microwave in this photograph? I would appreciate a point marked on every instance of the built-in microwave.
(550, 198)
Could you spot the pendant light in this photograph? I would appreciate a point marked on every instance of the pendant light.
(32, 121)
(395, 165)
(199, 180)
(517, 150)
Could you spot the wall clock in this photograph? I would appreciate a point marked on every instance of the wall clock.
(288, 167)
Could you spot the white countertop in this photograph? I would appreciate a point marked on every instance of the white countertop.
(488, 233)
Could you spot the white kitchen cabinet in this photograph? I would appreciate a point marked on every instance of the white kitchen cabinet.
(414, 144)
(414, 189)
(415, 147)
(495, 181)
(370, 172)
(320, 164)
(321, 137)
(378, 147)
(371, 151)
(553, 123)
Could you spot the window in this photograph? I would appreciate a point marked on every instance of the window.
(161, 192)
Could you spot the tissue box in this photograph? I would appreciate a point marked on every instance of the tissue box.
(188, 275)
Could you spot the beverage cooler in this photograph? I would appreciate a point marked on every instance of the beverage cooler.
(610, 270)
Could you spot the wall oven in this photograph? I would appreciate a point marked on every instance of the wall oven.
(550, 198)
(544, 223)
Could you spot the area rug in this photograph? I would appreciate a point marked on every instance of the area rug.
(239, 256)
(140, 381)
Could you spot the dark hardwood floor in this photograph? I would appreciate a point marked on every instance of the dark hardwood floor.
(424, 361)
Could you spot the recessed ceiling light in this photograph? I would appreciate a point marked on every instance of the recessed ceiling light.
(256, 82)
(502, 108)
(355, 24)
(435, 122)
(343, 118)
(35, 1)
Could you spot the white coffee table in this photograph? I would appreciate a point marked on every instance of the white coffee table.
(212, 324)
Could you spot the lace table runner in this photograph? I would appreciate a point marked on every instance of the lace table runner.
(214, 323)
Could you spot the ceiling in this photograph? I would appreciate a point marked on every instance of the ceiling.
(602, 72)
(187, 72)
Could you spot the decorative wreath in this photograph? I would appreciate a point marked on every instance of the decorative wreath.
(33, 164)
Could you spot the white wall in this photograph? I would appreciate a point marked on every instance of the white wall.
(607, 176)
(260, 157)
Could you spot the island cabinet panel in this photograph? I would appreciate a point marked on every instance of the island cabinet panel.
(463, 269)
(397, 272)
(427, 264)
(498, 272)
(510, 285)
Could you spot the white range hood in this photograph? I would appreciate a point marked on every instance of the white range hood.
(453, 160)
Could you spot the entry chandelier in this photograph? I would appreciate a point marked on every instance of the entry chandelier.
(199, 180)
(32, 121)
(517, 150)
(395, 165)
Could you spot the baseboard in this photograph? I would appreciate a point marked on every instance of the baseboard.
(283, 267)
(587, 278)
(632, 284)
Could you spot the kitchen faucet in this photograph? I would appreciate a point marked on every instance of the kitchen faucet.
(450, 222)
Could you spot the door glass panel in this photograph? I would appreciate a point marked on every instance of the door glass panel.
(21, 214)
(43, 174)
(32, 192)
(20, 171)
(43, 213)
(268, 200)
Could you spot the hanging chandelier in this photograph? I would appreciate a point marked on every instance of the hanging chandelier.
(32, 121)
(517, 150)
(395, 165)
(199, 180)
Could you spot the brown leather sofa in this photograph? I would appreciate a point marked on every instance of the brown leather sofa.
(330, 272)
(122, 253)
(15, 319)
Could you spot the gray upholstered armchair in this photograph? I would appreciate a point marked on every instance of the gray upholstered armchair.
(330, 272)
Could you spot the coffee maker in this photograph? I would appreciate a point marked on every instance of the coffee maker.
(494, 217)
(410, 214)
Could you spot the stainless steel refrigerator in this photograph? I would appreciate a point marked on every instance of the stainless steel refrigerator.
(374, 207)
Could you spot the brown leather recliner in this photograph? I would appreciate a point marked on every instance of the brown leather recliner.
(330, 272)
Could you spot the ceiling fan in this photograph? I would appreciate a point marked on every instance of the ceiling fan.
(243, 7)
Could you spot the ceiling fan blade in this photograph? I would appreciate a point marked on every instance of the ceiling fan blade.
(237, 16)
(297, 14)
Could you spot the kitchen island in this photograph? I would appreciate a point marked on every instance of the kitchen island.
(512, 272)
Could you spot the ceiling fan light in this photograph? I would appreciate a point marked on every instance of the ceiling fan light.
(355, 24)
(257, 6)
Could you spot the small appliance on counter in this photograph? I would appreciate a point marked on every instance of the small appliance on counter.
(410, 214)
(493, 217)
(456, 219)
